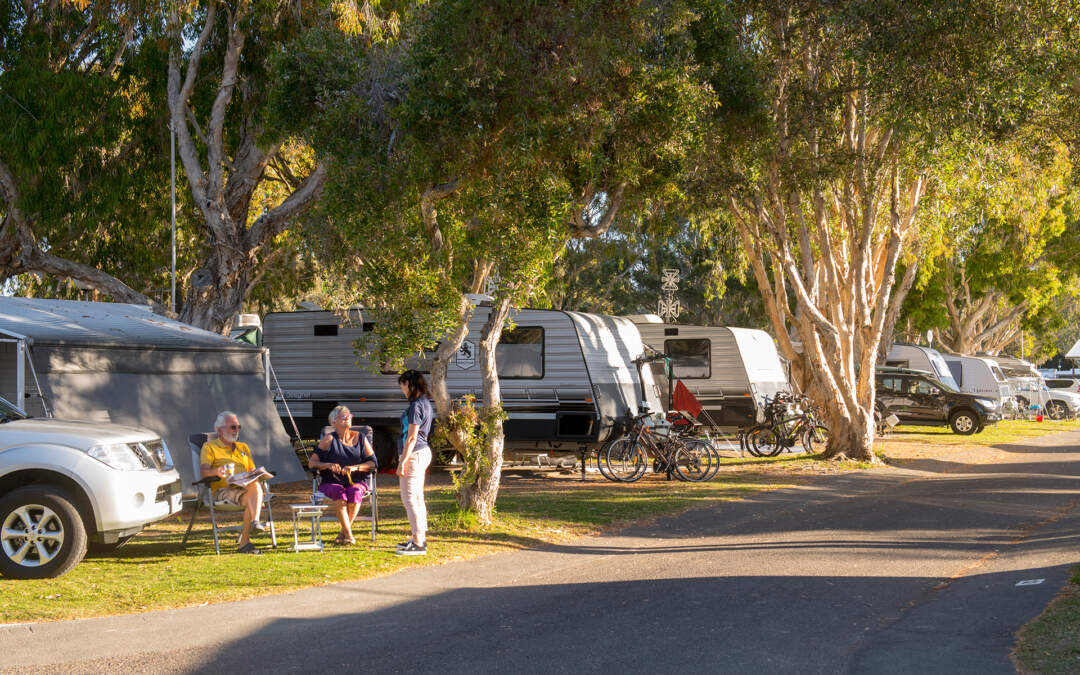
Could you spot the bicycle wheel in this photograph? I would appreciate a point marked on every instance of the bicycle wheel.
(751, 434)
(766, 442)
(693, 461)
(626, 460)
(601, 464)
(715, 458)
(815, 438)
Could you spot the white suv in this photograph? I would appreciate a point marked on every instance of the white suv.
(66, 484)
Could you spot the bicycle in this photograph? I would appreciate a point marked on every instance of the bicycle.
(789, 419)
(627, 458)
(690, 432)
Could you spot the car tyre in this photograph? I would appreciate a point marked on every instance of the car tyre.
(52, 538)
(1056, 410)
(964, 422)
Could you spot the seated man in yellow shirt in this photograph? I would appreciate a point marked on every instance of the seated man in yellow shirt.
(214, 459)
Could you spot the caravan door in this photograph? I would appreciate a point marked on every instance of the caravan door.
(13, 369)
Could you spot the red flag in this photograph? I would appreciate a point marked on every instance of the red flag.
(685, 401)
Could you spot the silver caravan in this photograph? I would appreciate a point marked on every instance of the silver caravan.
(982, 376)
(729, 370)
(568, 379)
(903, 355)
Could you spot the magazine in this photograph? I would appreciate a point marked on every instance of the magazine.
(248, 477)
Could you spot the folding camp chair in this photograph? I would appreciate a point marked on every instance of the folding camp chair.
(205, 496)
(373, 485)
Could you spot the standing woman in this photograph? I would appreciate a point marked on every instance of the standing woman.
(414, 457)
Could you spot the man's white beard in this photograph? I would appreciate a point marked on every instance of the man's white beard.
(230, 436)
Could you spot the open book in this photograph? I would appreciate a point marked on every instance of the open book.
(248, 477)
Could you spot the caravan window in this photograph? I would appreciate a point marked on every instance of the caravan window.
(690, 359)
(420, 361)
(520, 354)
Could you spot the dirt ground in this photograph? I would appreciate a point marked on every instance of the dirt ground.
(898, 450)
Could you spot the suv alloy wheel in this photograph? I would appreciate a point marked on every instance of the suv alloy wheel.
(41, 533)
(964, 422)
(1056, 410)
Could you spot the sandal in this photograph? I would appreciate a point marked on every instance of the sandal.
(342, 541)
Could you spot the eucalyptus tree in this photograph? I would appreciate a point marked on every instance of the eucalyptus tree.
(477, 144)
(858, 99)
(219, 83)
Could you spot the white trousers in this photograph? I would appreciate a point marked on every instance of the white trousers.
(412, 490)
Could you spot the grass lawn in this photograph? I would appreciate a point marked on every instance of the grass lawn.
(1009, 431)
(1051, 643)
(155, 572)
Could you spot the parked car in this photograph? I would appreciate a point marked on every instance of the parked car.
(918, 396)
(1058, 403)
(67, 485)
(1064, 384)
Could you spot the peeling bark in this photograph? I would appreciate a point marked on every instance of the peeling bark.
(221, 187)
(479, 496)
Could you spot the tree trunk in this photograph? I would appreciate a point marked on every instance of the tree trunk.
(479, 497)
(439, 367)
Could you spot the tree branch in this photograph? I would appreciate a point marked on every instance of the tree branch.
(274, 221)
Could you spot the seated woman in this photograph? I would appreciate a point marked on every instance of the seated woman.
(343, 457)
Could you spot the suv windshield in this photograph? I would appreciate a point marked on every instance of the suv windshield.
(8, 412)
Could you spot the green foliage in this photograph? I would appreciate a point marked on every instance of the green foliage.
(1003, 210)
(619, 273)
(86, 141)
(476, 428)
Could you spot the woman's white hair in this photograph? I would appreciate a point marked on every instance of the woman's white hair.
(222, 416)
(336, 412)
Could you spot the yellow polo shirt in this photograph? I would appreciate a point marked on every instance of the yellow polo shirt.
(216, 453)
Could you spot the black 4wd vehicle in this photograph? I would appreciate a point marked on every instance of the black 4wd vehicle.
(918, 397)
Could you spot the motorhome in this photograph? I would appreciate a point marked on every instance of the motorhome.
(568, 379)
(729, 370)
(903, 355)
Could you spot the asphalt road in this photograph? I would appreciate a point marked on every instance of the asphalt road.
(888, 571)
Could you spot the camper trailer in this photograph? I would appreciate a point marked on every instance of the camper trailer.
(568, 379)
(124, 364)
(729, 370)
(982, 376)
(903, 355)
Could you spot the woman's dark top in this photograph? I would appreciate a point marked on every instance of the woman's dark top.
(421, 413)
(345, 455)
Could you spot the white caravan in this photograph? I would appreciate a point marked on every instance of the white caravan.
(729, 370)
(568, 379)
(903, 355)
(982, 376)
